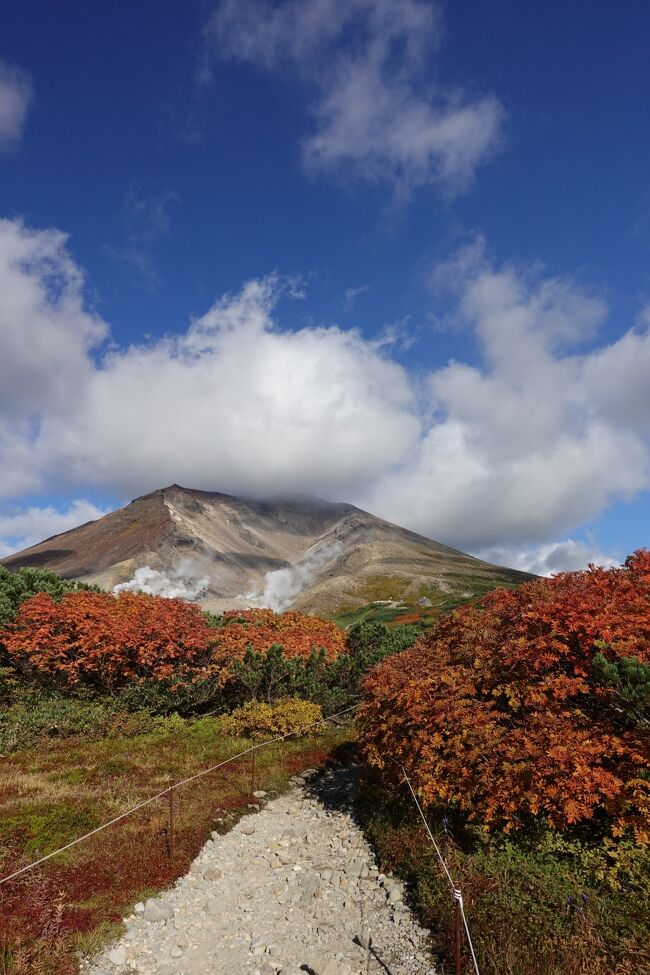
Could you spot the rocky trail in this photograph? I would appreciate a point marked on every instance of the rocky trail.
(290, 889)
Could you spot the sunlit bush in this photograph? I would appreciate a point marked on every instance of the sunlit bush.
(530, 707)
(261, 721)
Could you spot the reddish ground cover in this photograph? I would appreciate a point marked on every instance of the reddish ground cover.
(52, 796)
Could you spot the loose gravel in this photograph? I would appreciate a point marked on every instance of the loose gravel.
(291, 889)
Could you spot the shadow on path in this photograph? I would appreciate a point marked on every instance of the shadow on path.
(337, 790)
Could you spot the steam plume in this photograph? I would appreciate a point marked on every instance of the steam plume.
(182, 581)
(282, 586)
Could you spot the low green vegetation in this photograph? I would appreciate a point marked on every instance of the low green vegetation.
(630, 678)
(15, 587)
(390, 606)
(377, 612)
(333, 685)
(547, 903)
(30, 715)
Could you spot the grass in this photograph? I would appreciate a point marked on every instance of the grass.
(459, 589)
(31, 715)
(537, 905)
(371, 613)
(59, 791)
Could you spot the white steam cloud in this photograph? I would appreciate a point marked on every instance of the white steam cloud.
(282, 586)
(182, 581)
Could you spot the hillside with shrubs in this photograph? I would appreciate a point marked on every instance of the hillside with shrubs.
(522, 721)
(107, 699)
(71, 649)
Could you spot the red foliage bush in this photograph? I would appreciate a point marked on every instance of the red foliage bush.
(259, 629)
(498, 710)
(108, 640)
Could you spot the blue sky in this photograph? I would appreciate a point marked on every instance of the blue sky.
(432, 228)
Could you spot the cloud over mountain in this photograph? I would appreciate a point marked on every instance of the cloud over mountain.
(544, 432)
(27, 526)
(538, 434)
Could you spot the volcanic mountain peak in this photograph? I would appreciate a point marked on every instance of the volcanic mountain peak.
(231, 551)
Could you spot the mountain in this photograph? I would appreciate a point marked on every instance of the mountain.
(231, 552)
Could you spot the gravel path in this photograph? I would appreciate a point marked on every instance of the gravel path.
(290, 889)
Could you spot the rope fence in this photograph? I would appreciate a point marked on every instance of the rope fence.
(459, 912)
(169, 793)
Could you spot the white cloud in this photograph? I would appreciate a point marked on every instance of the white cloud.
(235, 401)
(46, 336)
(46, 331)
(540, 436)
(617, 381)
(16, 94)
(374, 112)
(27, 526)
(537, 436)
(547, 560)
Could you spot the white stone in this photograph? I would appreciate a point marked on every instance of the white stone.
(117, 956)
(157, 910)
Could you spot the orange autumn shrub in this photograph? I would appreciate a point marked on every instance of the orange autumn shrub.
(259, 629)
(108, 641)
(502, 711)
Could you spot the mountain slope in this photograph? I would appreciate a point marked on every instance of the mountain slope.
(313, 555)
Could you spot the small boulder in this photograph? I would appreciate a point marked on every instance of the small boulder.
(212, 873)
(157, 910)
(117, 956)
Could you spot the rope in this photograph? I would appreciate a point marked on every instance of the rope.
(247, 751)
(169, 789)
(431, 836)
(456, 891)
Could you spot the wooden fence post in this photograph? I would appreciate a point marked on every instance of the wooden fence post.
(170, 796)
